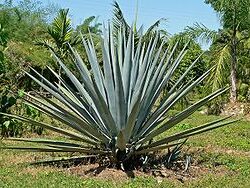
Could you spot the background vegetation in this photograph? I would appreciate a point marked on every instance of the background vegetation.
(29, 29)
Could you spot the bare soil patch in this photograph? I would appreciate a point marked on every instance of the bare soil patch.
(237, 109)
(194, 172)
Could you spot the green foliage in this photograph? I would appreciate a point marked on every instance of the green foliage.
(21, 55)
(228, 44)
(193, 54)
(89, 25)
(25, 19)
(3, 44)
(201, 33)
(36, 115)
(194, 51)
(183, 126)
(10, 127)
(234, 13)
(3, 37)
(23, 22)
(61, 34)
(232, 137)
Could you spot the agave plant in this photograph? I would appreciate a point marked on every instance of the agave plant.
(113, 110)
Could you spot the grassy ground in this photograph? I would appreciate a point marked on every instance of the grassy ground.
(225, 152)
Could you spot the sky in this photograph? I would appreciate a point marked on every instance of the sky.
(179, 13)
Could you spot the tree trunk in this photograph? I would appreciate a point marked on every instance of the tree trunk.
(233, 78)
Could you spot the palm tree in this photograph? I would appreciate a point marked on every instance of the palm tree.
(61, 35)
(234, 17)
(90, 25)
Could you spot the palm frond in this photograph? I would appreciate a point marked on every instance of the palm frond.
(118, 19)
(221, 62)
(201, 33)
(61, 29)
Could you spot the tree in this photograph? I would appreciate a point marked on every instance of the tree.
(90, 25)
(194, 53)
(61, 35)
(235, 18)
(25, 19)
(23, 22)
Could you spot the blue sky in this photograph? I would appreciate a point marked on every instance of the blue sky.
(179, 13)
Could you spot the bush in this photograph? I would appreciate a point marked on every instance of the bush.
(112, 108)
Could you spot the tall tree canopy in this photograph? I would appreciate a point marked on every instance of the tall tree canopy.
(233, 13)
(235, 19)
(25, 19)
(228, 43)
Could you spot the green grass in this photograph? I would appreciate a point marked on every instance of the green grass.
(235, 136)
(226, 148)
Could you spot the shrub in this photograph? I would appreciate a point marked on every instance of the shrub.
(111, 109)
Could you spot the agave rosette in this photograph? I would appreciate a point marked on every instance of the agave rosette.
(112, 109)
